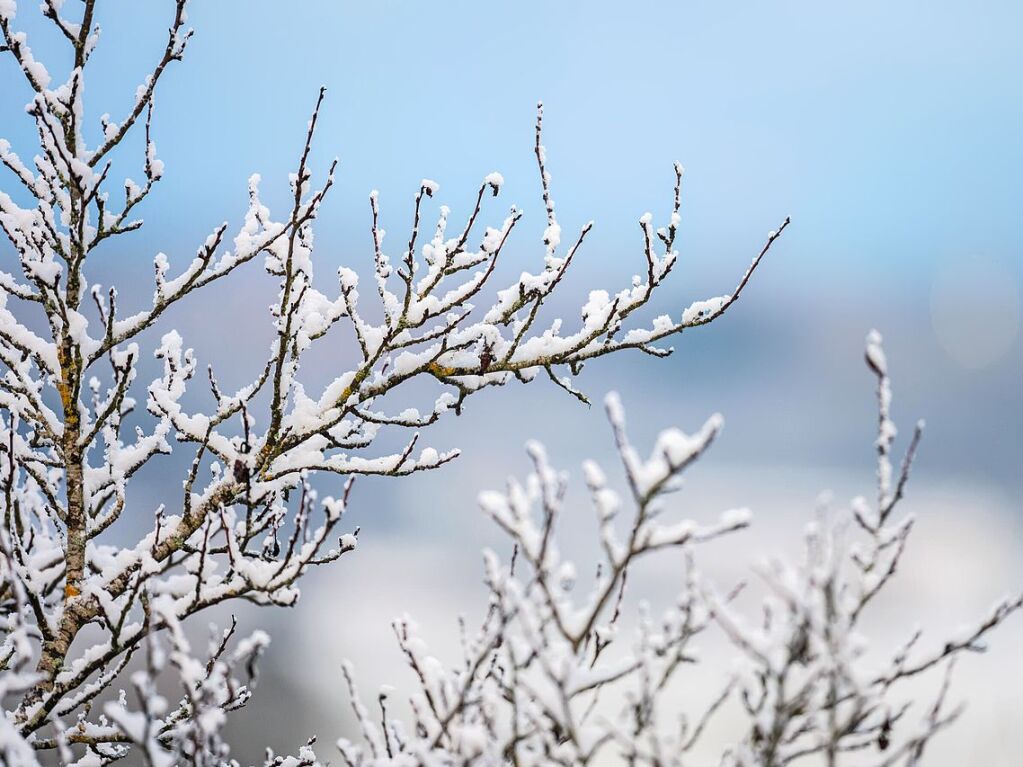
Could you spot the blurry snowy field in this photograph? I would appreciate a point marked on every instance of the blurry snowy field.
(889, 134)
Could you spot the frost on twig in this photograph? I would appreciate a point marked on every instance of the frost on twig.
(534, 673)
(539, 684)
(77, 608)
(807, 684)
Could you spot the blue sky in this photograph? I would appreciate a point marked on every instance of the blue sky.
(888, 130)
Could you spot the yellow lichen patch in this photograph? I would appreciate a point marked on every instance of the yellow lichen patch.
(440, 370)
(71, 590)
(65, 395)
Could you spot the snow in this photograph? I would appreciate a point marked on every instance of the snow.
(552, 236)
(875, 353)
(33, 68)
(495, 180)
(672, 451)
(700, 310)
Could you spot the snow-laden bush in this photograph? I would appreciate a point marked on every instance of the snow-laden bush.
(76, 609)
(550, 677)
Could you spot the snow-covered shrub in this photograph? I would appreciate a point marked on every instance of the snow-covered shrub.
(76, 609)
(550, 677)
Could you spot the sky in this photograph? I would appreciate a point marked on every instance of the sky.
(889, 132)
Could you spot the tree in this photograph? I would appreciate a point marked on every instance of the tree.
(545, 679)
(77, 610)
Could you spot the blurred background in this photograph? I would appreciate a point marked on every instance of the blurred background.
(889, 132)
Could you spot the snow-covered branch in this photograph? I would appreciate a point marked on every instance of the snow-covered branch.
(78, 608)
